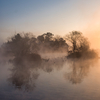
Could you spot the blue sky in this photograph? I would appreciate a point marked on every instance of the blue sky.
(56, 16)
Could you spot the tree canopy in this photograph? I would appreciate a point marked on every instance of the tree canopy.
(79, 45)
(77, 41)
(73, 43)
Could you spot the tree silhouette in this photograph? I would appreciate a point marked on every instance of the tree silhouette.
(17, 45)
(78, 41)
(74, 43)
(58, 43)
(45, 38)
(79, 46)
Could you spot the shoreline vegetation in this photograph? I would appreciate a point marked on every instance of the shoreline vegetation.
(27, 55)
(27, 46)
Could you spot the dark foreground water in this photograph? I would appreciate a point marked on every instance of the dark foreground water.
(55, 79)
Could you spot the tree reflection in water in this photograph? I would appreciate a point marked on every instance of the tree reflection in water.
(22, 76)
(78, 70)
(25, 72)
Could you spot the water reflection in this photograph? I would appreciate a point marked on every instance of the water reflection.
(25, 72)
(22, 76)
(78, 70)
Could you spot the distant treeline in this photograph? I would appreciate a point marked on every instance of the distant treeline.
(74, 44)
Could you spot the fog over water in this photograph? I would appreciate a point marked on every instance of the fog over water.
(48, 68)
(49, 50)
(57, 78)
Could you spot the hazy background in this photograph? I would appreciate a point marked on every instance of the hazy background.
(56, 16)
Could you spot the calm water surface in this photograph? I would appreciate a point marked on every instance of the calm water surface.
(55, 79)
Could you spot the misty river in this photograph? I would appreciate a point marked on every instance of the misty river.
(50, 79)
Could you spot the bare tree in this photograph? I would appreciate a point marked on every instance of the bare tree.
(77, 42)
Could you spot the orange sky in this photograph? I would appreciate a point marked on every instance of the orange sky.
(56, 16)
(92, 30)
